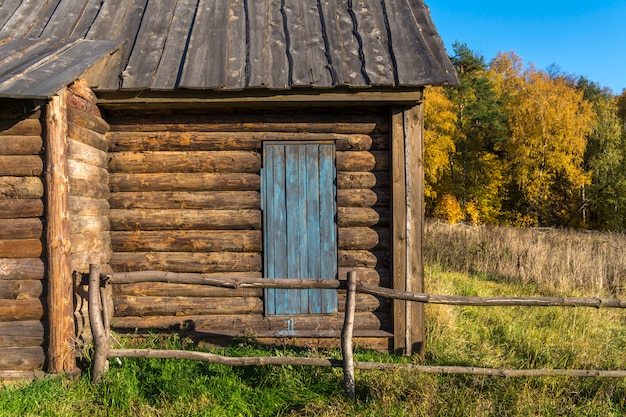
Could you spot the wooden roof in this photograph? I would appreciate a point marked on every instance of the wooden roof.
(234, 45)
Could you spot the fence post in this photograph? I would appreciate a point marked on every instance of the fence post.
(346, 337)
(101, 343)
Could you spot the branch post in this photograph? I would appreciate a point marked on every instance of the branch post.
(346, 337)
(100, 339)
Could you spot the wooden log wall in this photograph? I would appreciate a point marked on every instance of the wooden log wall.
(23, 323)
(185, 197)
(89, 192)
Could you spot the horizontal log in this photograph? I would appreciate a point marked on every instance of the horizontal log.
(174, 161)
(89, 224)
(89, 189)
(187, 262)
(21, 145)
(363, 238)
(249, 280)
(18, 310)
(242, 322)
(81, 152)
(377, 197)
(82, 171)
(82, 260)
(223, 200)
(187, 241)
(21, 248)
(130, 305)
(362, 216)
(91, 242)
(184, 182)
(20, 188)
(277, 337)
(22, 358)
(20, 341)
(87, 136)
(337, 122)
(23, 127)
(27, 228)
(28, 268)
(364, 303)
(87, 120)
(360, 258)
(351, 180)
(21, 165)
(221, 279)
(159, 289)
(185, 306)
(225, 141)
(378, 276)
(362, 161)
(81, 97)
(493, 301)
(86, 206)
(21, 208)
(20, 289)
(34, 328)
(185, 219)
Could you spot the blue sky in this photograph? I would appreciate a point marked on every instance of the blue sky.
(583, 37)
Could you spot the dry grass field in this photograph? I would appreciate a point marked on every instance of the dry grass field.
(559, 261)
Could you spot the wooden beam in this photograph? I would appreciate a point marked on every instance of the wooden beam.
(60, 290)
(407, 189)
(414, 155)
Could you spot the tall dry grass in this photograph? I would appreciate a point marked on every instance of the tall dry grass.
(561, 261)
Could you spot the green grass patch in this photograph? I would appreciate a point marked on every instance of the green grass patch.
(501, 337)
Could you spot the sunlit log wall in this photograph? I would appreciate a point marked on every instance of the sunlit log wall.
(185, 197)
(23, 324)
(89, 192)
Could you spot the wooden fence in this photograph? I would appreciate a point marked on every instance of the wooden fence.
(100, 326)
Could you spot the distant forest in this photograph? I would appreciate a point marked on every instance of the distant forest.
(521, 146)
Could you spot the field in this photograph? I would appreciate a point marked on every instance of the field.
(501, 337)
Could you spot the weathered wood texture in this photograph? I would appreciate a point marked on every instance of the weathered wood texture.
(185, 197)
(89, 190)
(60, 349)
(22, 238)
(88, 178)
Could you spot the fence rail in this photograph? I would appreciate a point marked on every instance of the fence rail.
(102, 353)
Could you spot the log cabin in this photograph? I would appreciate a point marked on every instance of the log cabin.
(241, 138)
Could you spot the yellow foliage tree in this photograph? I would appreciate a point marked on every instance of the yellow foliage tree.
(440, 129)
(549, 122)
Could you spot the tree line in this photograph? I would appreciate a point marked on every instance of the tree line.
(521, 146)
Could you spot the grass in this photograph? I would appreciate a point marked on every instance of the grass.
(529, 337)
(579, 262)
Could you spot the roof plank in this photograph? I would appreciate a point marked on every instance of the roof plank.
(64, 65)
(23, 19)
(343, 47)
(416, 65)
(7, 8)
(235, 75)
(148, 47)
(168, 70)
(269, 66)
(372, 29)
(204, 64)
(47, 10)
(300, 62)
(90, 11)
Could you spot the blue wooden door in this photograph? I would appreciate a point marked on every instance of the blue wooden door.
(299, 233)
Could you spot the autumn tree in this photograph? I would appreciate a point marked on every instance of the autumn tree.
(476, 167)
(605, 159)
(549, 122)
(440, 132)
